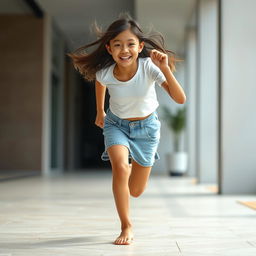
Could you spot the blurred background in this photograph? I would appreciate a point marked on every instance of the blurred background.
(47, 110)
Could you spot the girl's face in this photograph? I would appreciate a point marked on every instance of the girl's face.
(125, 48)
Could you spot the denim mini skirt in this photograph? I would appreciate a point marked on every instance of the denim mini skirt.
(141, 137)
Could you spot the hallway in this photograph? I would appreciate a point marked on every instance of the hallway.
(75, 214)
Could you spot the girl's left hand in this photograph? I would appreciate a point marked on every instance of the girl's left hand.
(160, 59)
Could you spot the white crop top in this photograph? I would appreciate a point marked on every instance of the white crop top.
(137, 96)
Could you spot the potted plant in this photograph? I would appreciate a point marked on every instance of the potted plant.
(177, 160)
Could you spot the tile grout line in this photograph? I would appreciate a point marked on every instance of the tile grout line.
(178, 246)
(252, 244)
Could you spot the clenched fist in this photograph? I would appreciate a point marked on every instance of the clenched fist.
(100, 119)
(160, 59)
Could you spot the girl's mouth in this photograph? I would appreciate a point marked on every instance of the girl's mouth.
(125, 58)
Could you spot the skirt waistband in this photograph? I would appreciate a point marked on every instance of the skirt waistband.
(125, 122)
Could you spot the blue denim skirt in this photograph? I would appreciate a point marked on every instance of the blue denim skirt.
(141, 137)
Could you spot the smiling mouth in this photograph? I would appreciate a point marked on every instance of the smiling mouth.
(125, 58)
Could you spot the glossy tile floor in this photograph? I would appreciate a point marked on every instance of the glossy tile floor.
(75, 214)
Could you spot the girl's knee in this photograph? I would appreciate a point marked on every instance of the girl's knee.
(136, 192)
(121, 169)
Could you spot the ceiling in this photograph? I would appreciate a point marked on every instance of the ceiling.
(170, 17)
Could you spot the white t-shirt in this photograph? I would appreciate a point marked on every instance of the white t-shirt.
(137, 96)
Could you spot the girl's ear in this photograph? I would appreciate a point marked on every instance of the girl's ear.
(108, 48)
(141, 46)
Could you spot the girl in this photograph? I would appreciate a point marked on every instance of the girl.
(128, 63)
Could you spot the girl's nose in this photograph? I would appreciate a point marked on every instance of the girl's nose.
(124, 48)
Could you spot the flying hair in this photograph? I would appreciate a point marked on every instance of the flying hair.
(88, 63)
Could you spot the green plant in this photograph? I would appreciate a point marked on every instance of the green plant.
(176, 123)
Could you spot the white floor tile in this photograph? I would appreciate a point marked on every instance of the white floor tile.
(75, 215)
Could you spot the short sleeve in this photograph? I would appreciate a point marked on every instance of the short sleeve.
(99, 77)
(156, 74)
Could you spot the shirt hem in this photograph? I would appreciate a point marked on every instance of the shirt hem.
(134, 115)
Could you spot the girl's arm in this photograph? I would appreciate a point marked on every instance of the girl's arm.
(171, 85)
(100, 92)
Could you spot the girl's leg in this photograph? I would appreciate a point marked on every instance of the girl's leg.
(118, 155)
(138, 179)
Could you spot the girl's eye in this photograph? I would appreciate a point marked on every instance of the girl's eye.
(117, 45)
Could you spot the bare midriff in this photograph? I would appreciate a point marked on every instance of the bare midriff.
(137, 118)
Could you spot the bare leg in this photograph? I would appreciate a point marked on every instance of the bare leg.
(118, 155)
(138, 179)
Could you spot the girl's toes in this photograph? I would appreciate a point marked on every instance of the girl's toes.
(128, 241)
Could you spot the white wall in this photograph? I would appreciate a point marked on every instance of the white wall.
(207, 132)
(191, 126)
(238, 123)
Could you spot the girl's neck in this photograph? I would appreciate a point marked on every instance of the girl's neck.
(125, 73)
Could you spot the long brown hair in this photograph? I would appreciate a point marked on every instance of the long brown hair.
(89, 63)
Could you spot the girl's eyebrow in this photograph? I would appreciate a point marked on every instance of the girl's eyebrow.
(131, 39)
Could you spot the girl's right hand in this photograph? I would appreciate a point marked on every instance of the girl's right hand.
(100, 119)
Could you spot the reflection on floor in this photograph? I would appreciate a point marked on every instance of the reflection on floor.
(12, 174)
(249, 204)
(75, 215)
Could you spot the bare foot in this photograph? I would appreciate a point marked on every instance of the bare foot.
(126, 237)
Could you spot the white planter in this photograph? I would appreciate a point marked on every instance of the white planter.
(177, 163)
